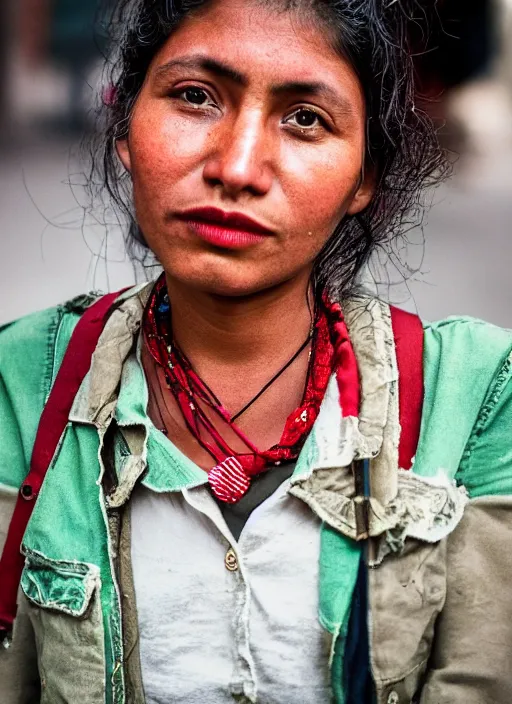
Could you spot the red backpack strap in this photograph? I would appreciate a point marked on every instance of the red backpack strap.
(408, 333)
(74, 368)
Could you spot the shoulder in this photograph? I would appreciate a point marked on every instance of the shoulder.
(467, 342)
(466, 419)
(30, 346)
(467, 415)
(467, 360)
(454, 345)
(31, 350)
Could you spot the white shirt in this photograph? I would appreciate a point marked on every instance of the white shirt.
(211, 635)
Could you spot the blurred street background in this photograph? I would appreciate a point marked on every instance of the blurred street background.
(53, 245)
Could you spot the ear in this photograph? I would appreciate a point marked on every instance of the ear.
(364, 193)
(123, 152)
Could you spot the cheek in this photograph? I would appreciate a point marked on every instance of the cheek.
(164, 150)
(321, 184)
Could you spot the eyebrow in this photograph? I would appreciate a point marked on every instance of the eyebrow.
(205, 63)
(222, 70)
(316, 88)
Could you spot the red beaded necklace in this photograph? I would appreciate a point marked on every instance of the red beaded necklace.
(231, 476)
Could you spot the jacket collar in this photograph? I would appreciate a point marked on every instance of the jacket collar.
(334, 441)
(96, 400)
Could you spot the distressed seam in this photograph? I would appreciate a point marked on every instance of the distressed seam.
(48, 376)
(395, 680)
(504, 375)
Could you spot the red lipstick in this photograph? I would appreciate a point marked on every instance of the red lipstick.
(222, 229)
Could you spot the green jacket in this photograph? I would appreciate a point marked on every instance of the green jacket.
(440, 556)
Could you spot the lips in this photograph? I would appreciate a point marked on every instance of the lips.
(223, 229)
(234, 221)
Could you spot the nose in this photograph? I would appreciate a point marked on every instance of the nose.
(241, 158)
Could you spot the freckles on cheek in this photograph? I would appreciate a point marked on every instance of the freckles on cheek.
(321, 187)
(186, 140)
(167, 147)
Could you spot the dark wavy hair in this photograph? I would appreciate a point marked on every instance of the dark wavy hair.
(377, 37)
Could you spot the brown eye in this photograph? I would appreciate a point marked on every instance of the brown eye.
(306, 118)
(195, 96)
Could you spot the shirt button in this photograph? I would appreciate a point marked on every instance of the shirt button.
(231, 560)
(393, 698)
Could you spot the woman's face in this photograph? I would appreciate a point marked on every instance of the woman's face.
(245, 111)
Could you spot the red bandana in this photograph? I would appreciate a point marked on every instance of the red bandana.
(230, 478)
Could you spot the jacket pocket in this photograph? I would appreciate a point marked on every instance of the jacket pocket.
(65, 610)
(407, 594)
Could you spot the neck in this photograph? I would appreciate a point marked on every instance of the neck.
(237, 331)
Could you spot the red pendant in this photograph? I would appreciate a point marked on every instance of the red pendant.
(228, 480)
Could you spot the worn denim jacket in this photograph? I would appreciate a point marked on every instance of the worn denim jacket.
(439, 612)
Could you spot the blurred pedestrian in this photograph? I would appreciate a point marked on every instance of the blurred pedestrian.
(460, 49)
(67, 34)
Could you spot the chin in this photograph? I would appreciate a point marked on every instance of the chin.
(226, 287)
(225, 280)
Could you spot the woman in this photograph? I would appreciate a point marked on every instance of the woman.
(229, 513)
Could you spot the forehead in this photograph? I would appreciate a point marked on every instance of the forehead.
(264, 41)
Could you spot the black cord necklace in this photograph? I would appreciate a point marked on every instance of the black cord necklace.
(274, 378)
